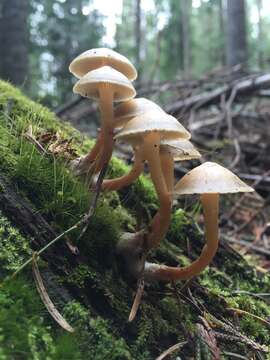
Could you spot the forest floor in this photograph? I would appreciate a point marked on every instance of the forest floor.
(222, 314)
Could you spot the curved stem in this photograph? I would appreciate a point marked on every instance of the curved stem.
(135, 172)
(93, 153)
(167, 165)
(161, 220)
(210, 204)
(106, 109)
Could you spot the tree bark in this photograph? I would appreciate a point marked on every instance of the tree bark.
(221, 31)
(185, 37)
(138, 33)
(236, 32)
(260, 34)
(14, 41)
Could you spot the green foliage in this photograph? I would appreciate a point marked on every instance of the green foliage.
(24, 334)
(14, 248)
(97, 337)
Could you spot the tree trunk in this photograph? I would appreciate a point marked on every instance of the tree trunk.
(260, 34)
(185, 37)
(236, 32)
(221, 31)
(14, 40)
(138, 33)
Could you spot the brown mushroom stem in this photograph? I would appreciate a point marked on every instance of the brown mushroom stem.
(210, 204)
(161, 220)
(106, 109)
(135, 172)
(167, 165)
(93, 153)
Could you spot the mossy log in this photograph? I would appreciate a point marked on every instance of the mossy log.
(40, 198)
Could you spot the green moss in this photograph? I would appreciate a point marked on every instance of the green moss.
(14, 248)
(97, 337)
(24, 334)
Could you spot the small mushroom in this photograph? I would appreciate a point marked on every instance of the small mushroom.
(95, 58)
(172, 151)
(106, 85)
(209, 180)
(122, 114)
(147, 131)
(132, 108)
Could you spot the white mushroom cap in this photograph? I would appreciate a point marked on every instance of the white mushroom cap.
(180, 149)
(90, 83)
(152, 121)
(96, 58)
(132, 108)
(210, 178)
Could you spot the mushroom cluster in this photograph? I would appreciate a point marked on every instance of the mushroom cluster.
(159, 140)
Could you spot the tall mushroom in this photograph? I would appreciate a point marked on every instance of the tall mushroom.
(209, 180)
(172, 151)
(122, 114)
(106, 85)
(147, 131)
(93, 59)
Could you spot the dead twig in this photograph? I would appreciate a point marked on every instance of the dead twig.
(46, 299)
(171, 350)
(243, 312)
(29, 136)
(137, 300)
(85, 220)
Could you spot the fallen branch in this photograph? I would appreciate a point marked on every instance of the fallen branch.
(243, 87)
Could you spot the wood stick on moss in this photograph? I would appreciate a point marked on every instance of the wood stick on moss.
(55, 314)
(82, 222)
(137, 300)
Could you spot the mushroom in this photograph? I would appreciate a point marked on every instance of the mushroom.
(95, 58)
(106, 85)
(132, 108)
(147, 131)
(122, 114)
(125, 180)
(209, 180)
(172, 151)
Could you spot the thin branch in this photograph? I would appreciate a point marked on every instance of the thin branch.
(46, 299)
(171, 350)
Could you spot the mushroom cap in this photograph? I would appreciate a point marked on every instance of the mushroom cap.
(90, 83)
(180, 149)
(209, 178)
(152, 121)
(134, 107)
(96, 58)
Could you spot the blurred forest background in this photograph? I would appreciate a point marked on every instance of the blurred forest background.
(165, 39)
